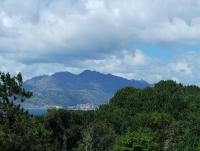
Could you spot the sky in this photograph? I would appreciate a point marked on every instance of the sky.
(148, 40)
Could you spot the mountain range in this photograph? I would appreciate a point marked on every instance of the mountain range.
(66, 89)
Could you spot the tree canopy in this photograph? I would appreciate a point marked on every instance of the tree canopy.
(164, 117)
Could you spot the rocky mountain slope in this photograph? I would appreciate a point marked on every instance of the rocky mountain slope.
(67, 89)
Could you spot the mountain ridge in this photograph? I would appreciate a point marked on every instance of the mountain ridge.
(67, 89)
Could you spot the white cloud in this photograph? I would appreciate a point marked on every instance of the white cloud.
(137, 65)
(120, 63)
(84, 25)
(46, 36)
(36, 69)
(129, 64)
(182, 68)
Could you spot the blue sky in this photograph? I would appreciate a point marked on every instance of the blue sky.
(136, 39)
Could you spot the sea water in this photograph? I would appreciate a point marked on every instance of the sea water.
(37, 111)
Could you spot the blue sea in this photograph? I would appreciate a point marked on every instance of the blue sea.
(37, 111)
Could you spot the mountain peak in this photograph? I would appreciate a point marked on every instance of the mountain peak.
(89, 72)
(65, 73)
(65, 88)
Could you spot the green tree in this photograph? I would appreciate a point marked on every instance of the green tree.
(140, 140)
(11, 88)
(18, 130)
(98, 136)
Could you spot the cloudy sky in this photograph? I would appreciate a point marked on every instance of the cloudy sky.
(136, 39)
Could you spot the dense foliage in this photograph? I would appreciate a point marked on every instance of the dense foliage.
(165, 117)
